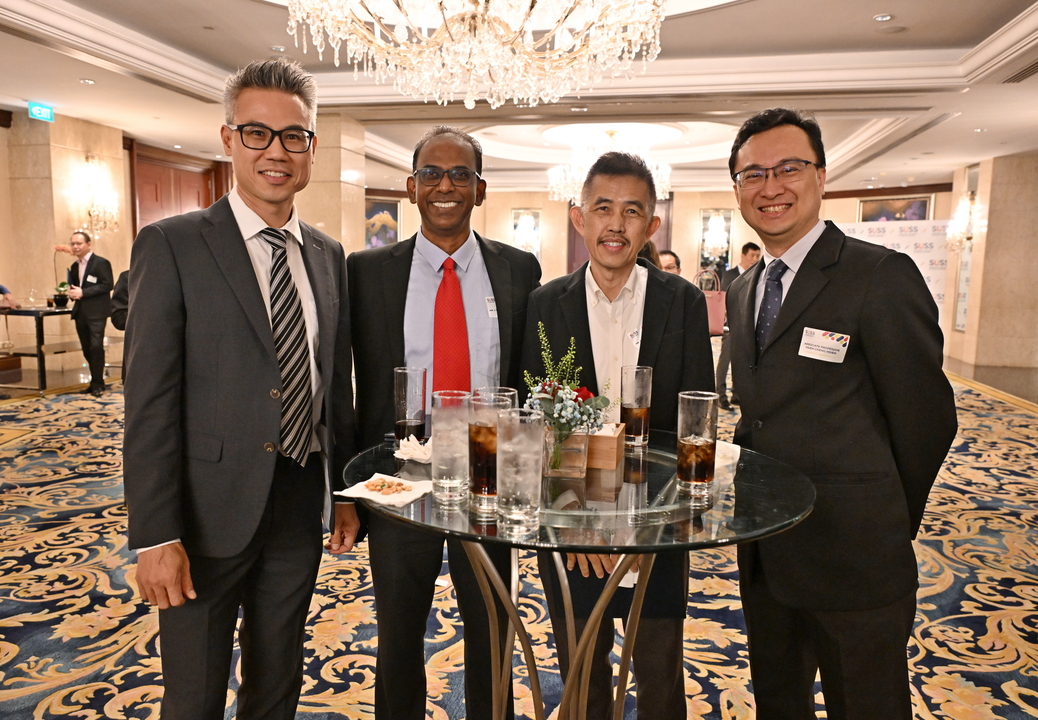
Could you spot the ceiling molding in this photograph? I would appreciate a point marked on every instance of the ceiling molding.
(1004, 47)
(390, 153)
(85, 36)
(931, 123)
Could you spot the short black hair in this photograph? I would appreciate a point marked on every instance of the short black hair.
(85, 234)
(452, 132)
(677, 260)
(749, 247)
(279, 74)
(773, 118)
(620, 164)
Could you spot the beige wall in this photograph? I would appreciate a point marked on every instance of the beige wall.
(333, 202)
(497, 224)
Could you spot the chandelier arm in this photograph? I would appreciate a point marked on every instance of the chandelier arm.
(446, 23)
(378, 21)
(560, 26)
(410, 25)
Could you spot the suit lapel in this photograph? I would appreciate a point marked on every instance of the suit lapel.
(808, 281)
(396, 273)
(228, 248)
(500, 272)
(318, 271)
(573, 303)
(658, 298)
(744, 353)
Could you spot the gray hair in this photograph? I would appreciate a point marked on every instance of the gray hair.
(279, 74)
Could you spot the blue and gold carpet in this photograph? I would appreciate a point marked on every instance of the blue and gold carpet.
(75, 642)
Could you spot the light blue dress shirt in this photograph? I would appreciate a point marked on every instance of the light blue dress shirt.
(480, 313)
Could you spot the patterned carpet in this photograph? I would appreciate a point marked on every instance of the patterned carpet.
(76, 643)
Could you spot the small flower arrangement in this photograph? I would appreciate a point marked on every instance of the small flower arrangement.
(568, 407)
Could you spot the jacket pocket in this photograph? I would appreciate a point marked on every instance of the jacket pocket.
(203, 447)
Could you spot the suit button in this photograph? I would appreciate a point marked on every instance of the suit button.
(275, 393)
(757, 424)
(270, 447)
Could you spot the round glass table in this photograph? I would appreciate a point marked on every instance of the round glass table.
(635, 510)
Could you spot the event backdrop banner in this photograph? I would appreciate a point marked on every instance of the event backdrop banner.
(925, 241)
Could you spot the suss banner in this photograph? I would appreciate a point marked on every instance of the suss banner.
(925, 241)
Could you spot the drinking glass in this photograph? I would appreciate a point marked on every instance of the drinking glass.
(697, 442)
(450, 446)
(409, 397)
(636, 397)
(511, 393)
(483, 419)
(520, 457)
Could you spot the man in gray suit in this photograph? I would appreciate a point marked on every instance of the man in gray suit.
(748, 258)
(238, 407)
(836, 357)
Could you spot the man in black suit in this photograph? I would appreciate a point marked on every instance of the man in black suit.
(620, 311)
(90, 286)
(836, 356)
(393, 293)
(239, 404)
(121, 300)
(749, 256)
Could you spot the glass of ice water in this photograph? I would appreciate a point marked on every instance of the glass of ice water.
(520, 457)
(450, 446)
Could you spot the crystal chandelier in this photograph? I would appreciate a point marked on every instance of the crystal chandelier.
(960, 227)
(715, 237)
(526, 51)
(565, 182)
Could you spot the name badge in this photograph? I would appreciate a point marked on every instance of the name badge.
(636, 337)
(824, 345)
(92, 278)
(492, 306)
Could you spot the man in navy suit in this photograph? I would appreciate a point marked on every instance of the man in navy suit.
(90, 286)
(836, 357)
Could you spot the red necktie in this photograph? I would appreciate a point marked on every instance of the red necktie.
(450, 335)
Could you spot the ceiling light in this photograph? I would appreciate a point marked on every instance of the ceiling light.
(590, 141)
(277, 48)
(86, 81)
(218, 157)
(498, 50)
(883, 17)
(978, 130)
(176, 147)
(578, 109)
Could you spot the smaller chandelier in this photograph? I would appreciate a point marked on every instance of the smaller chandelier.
(527, 51)
(960, 227)
(565, 182)
(715, 237)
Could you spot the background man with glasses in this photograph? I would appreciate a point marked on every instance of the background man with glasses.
(836, 357)
(398, 319)
(238, 406)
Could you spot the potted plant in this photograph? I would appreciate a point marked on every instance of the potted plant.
(570, 410)
(61, 295)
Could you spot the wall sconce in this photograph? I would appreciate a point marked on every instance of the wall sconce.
(960, 227)
(526, 230)
(716, 224)
(93, 198)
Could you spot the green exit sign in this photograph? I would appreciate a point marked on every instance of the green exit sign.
(41, 112)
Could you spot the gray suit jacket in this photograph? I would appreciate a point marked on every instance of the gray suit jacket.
(201, 416)
(871, 432)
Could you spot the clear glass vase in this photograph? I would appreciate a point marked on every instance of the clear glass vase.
(566, 457)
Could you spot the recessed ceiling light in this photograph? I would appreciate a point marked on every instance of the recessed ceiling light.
(978, 130)
(578, 109)
(219, 157)
(883, 17)
(277, 48)
(176, 147)
(86, 81)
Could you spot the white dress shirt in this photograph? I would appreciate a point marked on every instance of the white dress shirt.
(793, 258)
(616, 333)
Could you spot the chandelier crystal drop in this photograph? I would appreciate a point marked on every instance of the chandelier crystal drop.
(526, 51)
(565, 182)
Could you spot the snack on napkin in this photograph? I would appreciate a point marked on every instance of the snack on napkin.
(413, 450)
(386, 486)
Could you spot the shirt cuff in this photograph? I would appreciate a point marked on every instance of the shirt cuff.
(152, 547)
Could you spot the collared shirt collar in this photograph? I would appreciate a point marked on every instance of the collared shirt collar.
(250, 223)
(435, 256)
(794, 256)
(595, 294)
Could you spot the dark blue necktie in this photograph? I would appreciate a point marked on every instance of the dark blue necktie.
(769, 307)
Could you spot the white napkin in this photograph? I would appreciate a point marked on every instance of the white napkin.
(418, 488)
(411, 449)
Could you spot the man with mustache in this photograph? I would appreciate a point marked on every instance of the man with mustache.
(620, 311)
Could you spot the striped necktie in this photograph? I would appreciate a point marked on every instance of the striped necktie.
(769, 306)
(286, 320)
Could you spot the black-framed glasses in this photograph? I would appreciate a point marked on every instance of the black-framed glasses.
(459, 176)
(786, 172)
(259, 137)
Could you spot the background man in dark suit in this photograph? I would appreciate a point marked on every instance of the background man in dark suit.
(231, 422)
(748, 257)
(670, 262)
(90, 286)
(121, 300)
(837, 361)
(621, 311)
(393, 296)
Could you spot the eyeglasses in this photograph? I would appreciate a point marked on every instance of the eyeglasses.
(787, 172)
(459, 177)
(259, 137)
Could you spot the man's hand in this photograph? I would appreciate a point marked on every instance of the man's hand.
(601, 564)
(164, 576)
(347, 525)
(75, 292)
(11, 302)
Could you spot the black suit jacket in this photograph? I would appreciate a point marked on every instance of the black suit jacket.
(96, 303)
(121, 300)
(675, 337)
(871, 432)
(202, 414)
(378, 293)
(730, 275)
